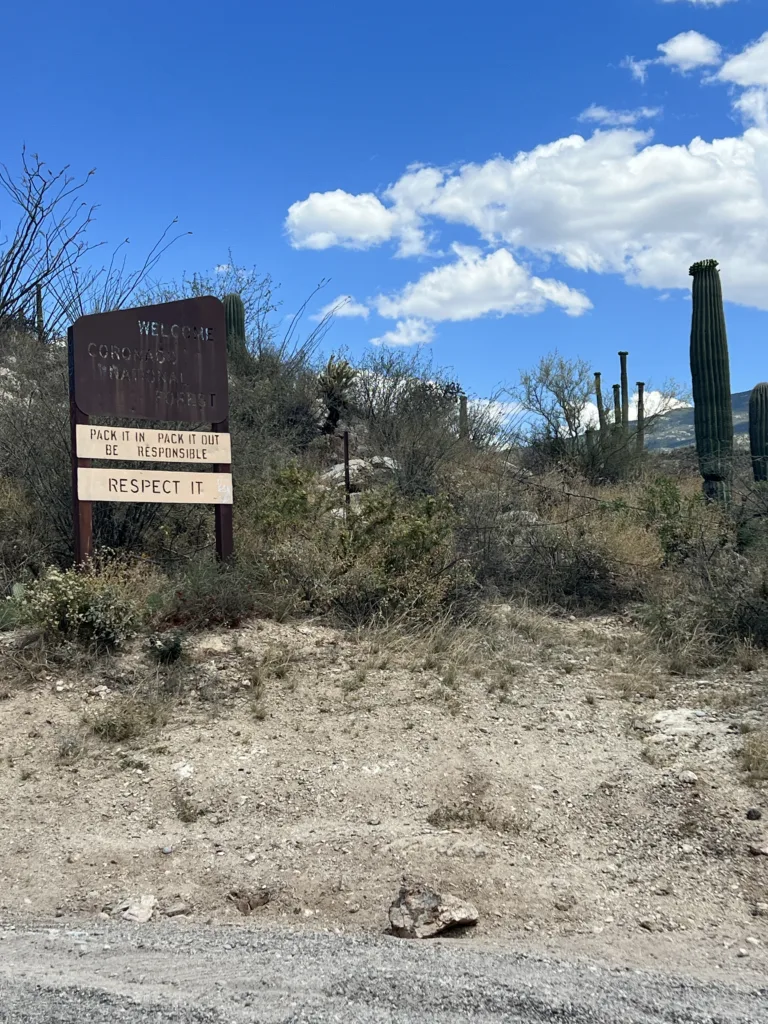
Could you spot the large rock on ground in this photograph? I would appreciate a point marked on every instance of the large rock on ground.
(360, 474)
(419, 913)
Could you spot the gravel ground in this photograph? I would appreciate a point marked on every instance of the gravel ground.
(176, 972)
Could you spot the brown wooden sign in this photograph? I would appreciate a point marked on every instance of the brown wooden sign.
(168, 363)
(165, 362)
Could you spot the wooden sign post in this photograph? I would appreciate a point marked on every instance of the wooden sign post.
(166, 363)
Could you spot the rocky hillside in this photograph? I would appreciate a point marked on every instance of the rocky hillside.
(675, 430)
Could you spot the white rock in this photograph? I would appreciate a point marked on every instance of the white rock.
(142, 911)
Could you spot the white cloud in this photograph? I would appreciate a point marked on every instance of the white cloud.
(617, 118)
(637, 68)
(748, 68)
(475, 285)
(326, 219)
(343, 306)
(413, 331)
(753, 107)
(700, 3)
(612, 203)
(689, 50)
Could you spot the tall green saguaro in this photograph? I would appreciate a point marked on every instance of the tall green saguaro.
(234, 312)
(711, 379)
(758, 432)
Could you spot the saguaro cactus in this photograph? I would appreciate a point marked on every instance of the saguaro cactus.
(758, 431)
(640, 415)
(616, 407)
(234, 312)
(711, 379)
(463, 418)
(600, 406)
(624, 392)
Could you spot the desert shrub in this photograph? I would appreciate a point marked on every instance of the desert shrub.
(399, 554)
(549, 544)
(99, 607)
(127, 717)
(387, 553)
(22, 536)
(166, 648)
(705, 607)
(208, 594)
(410, 412)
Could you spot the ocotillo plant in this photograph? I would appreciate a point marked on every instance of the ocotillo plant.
(711, 379)
(234, 312)
(640, 416)
(600, 406)
(758, 431)
(624, 392)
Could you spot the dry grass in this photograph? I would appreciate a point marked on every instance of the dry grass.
(128, 717)
(754, 755)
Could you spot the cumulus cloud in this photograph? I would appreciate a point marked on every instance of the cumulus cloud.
(748, 68)
(752, 105)
(342, 305)
(412, 331)
(689, 50)
(617, 118)
(325, 219)
(475, 285)
(612, 203)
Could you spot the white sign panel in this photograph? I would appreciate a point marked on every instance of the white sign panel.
(132, 444)
(155, 486)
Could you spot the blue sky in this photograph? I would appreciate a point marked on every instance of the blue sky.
(492, 180)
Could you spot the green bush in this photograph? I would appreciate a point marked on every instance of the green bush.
(99, 606)
(396, 555)
(209, 594)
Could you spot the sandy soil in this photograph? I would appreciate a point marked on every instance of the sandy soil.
(297, 773)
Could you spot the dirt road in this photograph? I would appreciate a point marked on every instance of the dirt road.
(172, 971)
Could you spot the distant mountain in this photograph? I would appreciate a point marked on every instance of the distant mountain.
(675, 429)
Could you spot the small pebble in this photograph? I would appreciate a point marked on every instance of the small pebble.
(754, 814)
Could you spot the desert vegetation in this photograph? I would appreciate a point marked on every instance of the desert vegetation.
(482, 579)
(552, 499)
